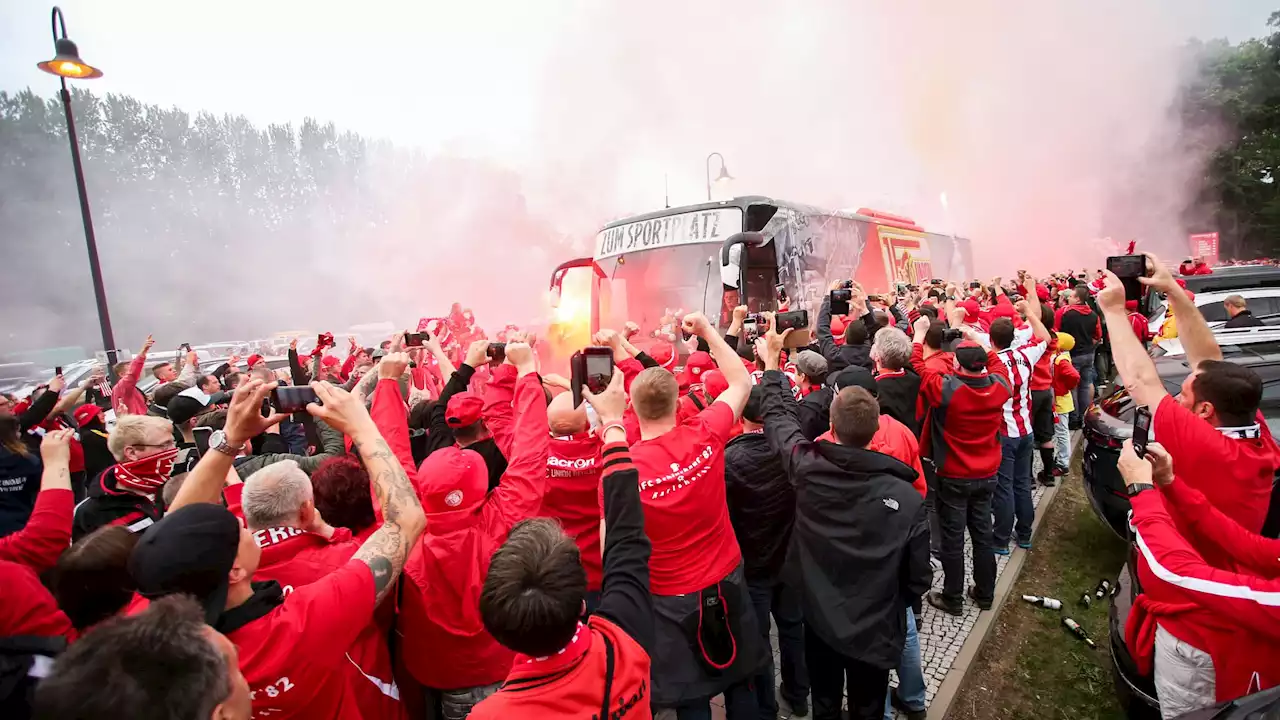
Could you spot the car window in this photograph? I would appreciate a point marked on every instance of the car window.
(1214, 311)
(1263, 307)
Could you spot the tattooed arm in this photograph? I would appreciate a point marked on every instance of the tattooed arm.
(403, 520)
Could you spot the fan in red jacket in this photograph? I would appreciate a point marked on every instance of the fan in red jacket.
(1234, 617)
(1138, 321)
(573, 476)
(446, 647)
(26, 607)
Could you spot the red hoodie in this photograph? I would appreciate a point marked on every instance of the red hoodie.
(1232, 616)
(573, 477)
(26, 606)
(126, 390)
(446, 645)
(895, 440)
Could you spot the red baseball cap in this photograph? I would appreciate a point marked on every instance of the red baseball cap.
(1131, 305)
(972, 312)
(452, 479)
(330, 360)
(714, 383)
(254, 359)
(663, 354)
(86, 414)
(463, 410)
(698, 363)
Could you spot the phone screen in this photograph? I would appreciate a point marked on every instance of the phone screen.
(414, 339)
(202, 435)
(1129, 268)
(592, 367)
(292, 399)
(1141, 429)
(599, 372)
(57, 370)
(497, 352)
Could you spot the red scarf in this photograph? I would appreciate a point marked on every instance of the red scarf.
(146, 475)
(568, 655)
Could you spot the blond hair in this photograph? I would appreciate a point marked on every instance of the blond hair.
(133, 430)
(273, 495)
(654, 394)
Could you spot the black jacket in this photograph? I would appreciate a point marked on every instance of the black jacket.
(108, 504)
(814, 412)
(840, 357)
(762, 505)
(440, 435)
(97, 457)
(1244, 319)
(898, 395)
(861, 537)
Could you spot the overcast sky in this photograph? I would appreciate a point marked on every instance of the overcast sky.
(420, 72)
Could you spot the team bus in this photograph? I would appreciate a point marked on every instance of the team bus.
(714, 256)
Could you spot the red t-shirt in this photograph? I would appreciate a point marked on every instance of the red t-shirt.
(1235, 474)
(685, 514)
(294, 657)
(573, 482)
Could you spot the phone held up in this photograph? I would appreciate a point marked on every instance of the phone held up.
(1141, 429)
(497, 352)
(202, 435)
(1129, 268)
(293, 398)
(415, 339)
(591, 366)
(840, 298)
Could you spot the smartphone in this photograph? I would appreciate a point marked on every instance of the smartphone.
(292, 399)
(186, 346)
(975, 285)
(1141, 428)
(840, 301)
(780, 293)
(591, 366)
(58, 371)
(798, 322)
(202, 435)
(1129, 268)
(497, 352)
(414, 339)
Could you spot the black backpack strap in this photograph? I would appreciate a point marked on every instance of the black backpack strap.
(608, 677)
(693, 396)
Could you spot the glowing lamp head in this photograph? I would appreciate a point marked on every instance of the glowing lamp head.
(67, 63)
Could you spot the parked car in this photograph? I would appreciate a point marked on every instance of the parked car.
(1109, 422)
(1258, 284)
(1232, 340)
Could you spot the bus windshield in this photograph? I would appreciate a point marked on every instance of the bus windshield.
(645, 286)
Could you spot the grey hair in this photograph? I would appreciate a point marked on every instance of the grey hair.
(891, 348)
(273, 495)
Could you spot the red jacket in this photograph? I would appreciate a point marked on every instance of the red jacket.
(1232, 616)
(126, 390)
(1065, 376)
(1042, 373)
(573, 477)
(1141, 328)
(296, 558)
(895, 440)
(445, 643)
(577, 692)
(46, 534)
(966, 417)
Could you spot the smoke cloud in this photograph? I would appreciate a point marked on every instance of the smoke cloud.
(1047, 125)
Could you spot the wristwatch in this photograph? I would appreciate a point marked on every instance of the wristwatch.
(1136, 488)
(218, 441)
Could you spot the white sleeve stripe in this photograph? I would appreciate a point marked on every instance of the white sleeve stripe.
(1208, 587)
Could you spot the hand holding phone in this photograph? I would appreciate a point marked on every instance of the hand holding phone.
(497, 352)
(414, 339)
(1129, 268)
(1141, 430)
(591, 366)
(291, 399)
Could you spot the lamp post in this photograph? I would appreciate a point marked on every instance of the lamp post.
(724, 172)
(66, 63)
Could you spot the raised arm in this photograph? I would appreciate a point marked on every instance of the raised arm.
(624, 596)
(296, 371)
(827, 342)
(519, 494)
(190, 370)
(442, 358)
(930, 381)
(735, 373)
(1197, 339)
(71, 397)
(403, 520)
(41, 406)
(48, 531)
(1130, 356)
(244, 421)
(389, 412)
(780, 410)
(130, 379)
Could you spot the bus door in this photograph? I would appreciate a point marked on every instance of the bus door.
(749, 274)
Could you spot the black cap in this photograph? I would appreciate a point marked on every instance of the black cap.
(189, 551)
(971, 356)
(856, 376)
(754, 410)
(183, 407)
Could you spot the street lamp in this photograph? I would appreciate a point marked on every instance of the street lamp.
(66, 63)
(724, 172)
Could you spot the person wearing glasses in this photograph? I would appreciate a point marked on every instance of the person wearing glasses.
(128, 493)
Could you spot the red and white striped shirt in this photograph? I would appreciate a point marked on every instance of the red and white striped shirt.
(1021, 363)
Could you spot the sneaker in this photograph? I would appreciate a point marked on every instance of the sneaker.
(982, 604)
(1025, 545)
(1074, 425)
(1000, 549)
(935, 599)
(1045, 479)
(901, 707)
(1061, 471)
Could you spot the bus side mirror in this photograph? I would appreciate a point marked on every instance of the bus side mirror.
(731, 256)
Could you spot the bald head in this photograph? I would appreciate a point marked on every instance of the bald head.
(563, 418)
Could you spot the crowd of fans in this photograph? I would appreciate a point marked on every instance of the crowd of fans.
(445, 534)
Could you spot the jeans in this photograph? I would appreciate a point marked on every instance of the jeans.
(965, 503)
(783, 602)
(931, 506)
(910, 673)
(1083, 393)
(1013, 491)
(867, 685)
(1062, 439)
(739, 704)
